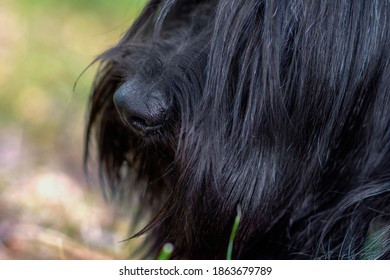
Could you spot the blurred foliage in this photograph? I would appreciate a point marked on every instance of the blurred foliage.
(44, 46)
(46, 211)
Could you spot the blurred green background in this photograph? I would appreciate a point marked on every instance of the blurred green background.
(47, 210)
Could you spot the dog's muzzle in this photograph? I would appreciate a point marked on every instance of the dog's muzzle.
(142, 108)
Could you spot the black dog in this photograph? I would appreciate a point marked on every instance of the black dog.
(281, 108)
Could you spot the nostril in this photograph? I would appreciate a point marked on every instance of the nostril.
(139, 123)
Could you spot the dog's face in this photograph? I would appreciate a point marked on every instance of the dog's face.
(204, 106)
(145, 85)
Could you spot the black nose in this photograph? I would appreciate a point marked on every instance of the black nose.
(142, 108)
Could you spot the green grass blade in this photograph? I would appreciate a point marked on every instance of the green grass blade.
(233, 233)
(166, 252)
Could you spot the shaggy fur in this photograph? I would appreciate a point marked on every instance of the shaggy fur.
(279, 107)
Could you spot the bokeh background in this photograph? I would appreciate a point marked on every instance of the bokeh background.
(47, 209)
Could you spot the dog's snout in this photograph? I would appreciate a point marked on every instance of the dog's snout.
(143, 109)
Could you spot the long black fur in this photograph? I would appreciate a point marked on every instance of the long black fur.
(279, 107)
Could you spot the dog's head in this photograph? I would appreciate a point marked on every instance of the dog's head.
(279, 107)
